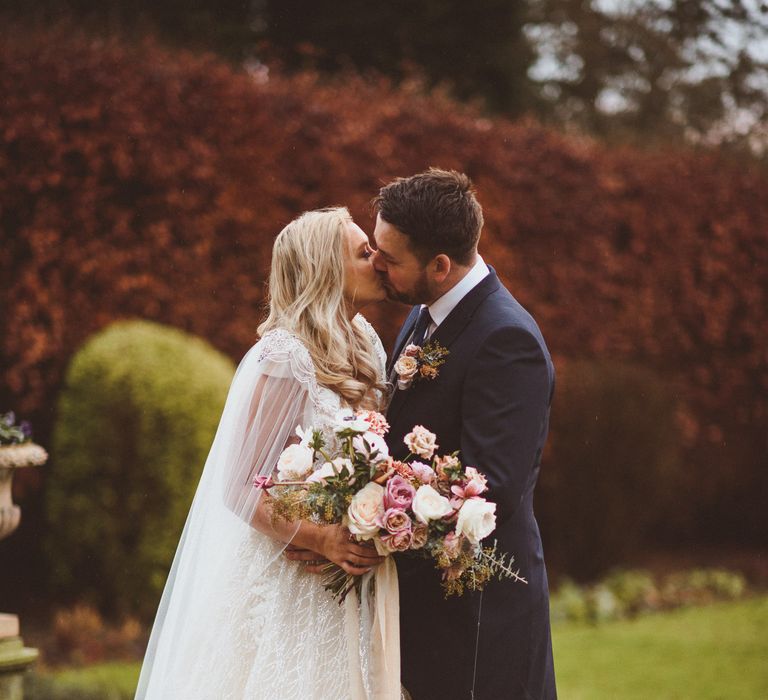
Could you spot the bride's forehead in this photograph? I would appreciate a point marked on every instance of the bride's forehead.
(356, 235)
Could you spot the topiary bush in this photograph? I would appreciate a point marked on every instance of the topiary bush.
(135, 421)
(611, 471)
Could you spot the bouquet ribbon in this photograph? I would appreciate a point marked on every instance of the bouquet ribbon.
(373, 635)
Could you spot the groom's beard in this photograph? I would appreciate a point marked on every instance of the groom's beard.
(418, 293)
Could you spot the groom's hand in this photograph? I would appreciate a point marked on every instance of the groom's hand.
(314, 562)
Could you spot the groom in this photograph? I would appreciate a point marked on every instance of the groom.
(490, 400)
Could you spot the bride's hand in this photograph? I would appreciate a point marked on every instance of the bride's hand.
(313, 562)
(337, 545)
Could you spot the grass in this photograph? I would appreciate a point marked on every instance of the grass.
(708, 653)
(717, 652)
(107, 681)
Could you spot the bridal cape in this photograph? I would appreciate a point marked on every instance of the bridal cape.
(236, 619)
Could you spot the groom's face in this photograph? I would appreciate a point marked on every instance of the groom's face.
(403, 273)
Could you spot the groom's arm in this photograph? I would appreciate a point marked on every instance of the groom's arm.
(504, 407)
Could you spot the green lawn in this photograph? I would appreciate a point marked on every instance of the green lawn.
(714, 652)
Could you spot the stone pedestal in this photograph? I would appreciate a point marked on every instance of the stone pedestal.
(15, 659)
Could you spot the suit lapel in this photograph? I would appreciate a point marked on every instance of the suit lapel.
(405, 332)
(449, 329)
(447, 332)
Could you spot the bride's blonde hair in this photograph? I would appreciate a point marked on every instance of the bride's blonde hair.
(306, 297)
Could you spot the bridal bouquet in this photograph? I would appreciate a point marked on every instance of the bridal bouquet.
(427, 504)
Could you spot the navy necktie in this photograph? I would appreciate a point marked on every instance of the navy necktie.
(420, 329)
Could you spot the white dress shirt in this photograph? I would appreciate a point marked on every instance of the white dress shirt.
(440, 308)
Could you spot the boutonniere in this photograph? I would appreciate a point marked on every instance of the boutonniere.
(419, 362)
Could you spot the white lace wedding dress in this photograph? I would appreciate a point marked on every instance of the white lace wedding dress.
(237, 620)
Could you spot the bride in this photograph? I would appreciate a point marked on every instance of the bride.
(237, 620)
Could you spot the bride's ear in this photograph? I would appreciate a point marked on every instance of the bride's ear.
(441, 267)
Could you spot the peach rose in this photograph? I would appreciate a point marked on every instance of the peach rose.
(406, 368)
(366, 510)
(421, 442)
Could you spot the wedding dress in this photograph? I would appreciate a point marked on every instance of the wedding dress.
(237, 620)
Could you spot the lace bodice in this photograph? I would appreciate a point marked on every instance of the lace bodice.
(281, 345)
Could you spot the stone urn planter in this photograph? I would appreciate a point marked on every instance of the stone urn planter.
(15, 658)
(13, 457)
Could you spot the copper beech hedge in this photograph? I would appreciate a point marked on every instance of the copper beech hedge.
(137, 181)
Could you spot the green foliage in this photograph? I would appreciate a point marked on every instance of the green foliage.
(629, 593)
(111, 681)
(135, 421)
(613, 464)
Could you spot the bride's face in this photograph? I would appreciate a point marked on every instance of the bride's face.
(362, 284)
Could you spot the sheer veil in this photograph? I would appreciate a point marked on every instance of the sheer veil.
(273, 391)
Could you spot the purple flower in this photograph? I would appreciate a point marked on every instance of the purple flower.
(399, 493)
(26, 428)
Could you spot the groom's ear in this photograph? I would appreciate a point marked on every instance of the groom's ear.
(441, 267)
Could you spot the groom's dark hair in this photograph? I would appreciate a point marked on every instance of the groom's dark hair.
(437, 210)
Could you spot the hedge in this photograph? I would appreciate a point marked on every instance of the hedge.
(135, 421)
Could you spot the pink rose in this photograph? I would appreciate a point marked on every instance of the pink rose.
(395, 520)
(398, 541)
(419, 535)
(399, 493)
(424, 473)
(411, 350)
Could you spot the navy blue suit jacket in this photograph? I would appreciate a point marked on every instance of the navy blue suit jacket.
(491, 402)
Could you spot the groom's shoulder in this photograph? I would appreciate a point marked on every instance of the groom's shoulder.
(500, 308)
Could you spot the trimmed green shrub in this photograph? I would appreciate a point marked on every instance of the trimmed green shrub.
(612, 467)
(135, 421)
(628, 593)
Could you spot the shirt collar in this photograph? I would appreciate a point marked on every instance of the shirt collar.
(443, 306)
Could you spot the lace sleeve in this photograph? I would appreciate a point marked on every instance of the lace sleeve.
(378, 346)
(274, 391)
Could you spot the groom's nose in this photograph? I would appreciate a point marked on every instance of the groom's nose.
(378, 262)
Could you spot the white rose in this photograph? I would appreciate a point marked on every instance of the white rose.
(477, 519)
(406, 367)
(421, 442)
(347, 420)
(295, 463)
(366, 509)
(428, 504)
(376, 443)
(330, 469)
